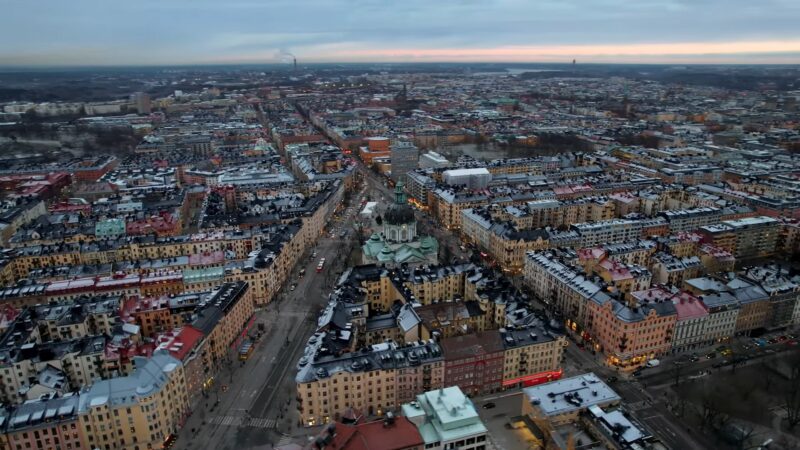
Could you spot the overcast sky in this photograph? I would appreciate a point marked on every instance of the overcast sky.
(111, 32)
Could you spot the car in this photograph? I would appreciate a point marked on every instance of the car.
(726, 352)
(611, 379)
(694, 358)
(716, 365)
(653, 363)
(170, 442)
(791, 342)
(782, 338)
(292, 287)
(637, 372)
(489, 405)
(711, 355)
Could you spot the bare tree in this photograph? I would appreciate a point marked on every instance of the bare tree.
(746, 387)
(678, 372)
(710, 409)
(791, 397)
(767, 375)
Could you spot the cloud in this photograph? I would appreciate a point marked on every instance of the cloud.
(206, 31)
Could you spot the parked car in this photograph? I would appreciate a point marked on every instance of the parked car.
(694, 358)
(653, 363)
(711, 355)
(489, 405)
(637, 372)
(611, 379)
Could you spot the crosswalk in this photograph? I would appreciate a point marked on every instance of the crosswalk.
(239, 421)
(286, 440)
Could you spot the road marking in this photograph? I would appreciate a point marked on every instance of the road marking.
(284, 441)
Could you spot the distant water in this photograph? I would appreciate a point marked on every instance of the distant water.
(513, 71)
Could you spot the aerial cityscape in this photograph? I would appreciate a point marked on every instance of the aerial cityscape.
(416, 237)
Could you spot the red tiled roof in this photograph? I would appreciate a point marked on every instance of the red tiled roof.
(402, 434)
(180, 344)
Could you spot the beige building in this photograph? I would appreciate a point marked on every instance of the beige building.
(138, 411)
(222, 320)
(375, 381)
(531, 354)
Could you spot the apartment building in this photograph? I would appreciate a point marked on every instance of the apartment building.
(419, 187)
(630, 333)
(750, 237)
(448, 204)
(691, 219)
(532, 354)
(608, 231)
(375, 381)
(51, 422)
(723, 312)
(562, 286)
(782, 289)
(223, 318)
(692, 316)
(137, 411)
(474, 362)
(405, 158)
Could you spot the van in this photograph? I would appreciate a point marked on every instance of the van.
(653, 363)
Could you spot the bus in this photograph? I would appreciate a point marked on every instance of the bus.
(320, 265)
(245, 350)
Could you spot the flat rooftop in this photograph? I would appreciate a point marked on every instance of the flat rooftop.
(571, 394)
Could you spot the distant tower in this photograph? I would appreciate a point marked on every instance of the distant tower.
(295, 63)
(141, 101)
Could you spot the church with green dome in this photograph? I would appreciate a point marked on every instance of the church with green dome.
(398, 242)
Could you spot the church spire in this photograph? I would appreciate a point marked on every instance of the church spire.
(399, 194)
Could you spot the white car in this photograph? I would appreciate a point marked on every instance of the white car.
(653, 363)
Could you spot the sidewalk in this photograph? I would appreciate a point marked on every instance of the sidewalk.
(206, 419)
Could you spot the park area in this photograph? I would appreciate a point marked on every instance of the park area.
(743, 407)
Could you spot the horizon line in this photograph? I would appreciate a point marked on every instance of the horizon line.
(378, 62)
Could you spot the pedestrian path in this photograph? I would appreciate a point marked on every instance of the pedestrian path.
(237, 421)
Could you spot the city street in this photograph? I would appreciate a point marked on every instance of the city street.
(258, 406)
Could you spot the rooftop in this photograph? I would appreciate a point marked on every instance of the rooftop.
(570, 394)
